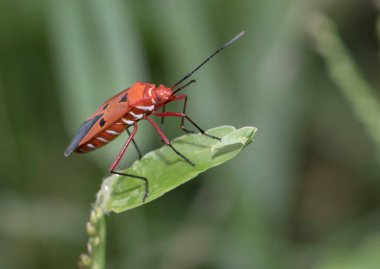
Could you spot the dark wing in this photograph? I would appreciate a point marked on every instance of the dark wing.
(83, 130)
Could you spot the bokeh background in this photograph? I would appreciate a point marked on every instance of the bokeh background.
(304, 195)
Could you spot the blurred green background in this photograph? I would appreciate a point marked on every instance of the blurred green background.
(304, 195)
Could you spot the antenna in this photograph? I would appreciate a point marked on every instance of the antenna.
(208, 59)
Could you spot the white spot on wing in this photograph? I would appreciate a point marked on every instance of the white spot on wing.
(90, 146)
(136, 116)
(129, 122)
(102, 139)
(153, 102)
(146, 108)
(112, 132)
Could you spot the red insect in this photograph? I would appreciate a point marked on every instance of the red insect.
(127, 108)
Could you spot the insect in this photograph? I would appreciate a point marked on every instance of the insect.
(127, 108)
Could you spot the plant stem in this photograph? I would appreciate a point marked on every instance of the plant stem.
(346, 75)
(96, 245)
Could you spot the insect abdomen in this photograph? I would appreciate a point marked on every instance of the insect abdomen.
(103, 137)
(135, 114)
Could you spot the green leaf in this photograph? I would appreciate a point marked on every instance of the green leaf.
(165, 170)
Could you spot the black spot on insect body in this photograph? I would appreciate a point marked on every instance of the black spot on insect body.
(124, 98)
(102, 122)
(105, 106)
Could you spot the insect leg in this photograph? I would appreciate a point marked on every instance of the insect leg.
(162, 119)
(135, 144)
(146, 182)
(167, 142)
(183, 116)
(182, 126)
(118, 158)
(163, 108)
